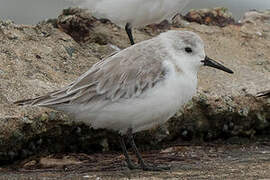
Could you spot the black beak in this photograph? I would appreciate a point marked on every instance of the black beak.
(210, 62)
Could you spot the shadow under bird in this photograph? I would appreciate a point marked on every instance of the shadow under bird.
(135, 89)
(134, 13)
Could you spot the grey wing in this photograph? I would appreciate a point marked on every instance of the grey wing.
(126, 74)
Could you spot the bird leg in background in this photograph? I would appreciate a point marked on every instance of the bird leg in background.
(140, 159)
(129, 33)
(124, 149)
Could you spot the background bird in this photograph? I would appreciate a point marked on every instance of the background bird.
(134, 13)
(135, 89)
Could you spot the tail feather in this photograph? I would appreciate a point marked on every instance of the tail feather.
(31, 102)
(48, 100)
(263, 93)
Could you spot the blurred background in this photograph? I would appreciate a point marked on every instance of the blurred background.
(33, 11)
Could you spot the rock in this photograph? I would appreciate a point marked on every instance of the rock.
(179, 21)
(254, 16)
(255, 23)
(84, 28)
(30, 164)
(49, 162)
(216, 16)
(78, 24)
(42, 58)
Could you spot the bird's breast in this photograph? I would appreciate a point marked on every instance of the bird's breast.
(182, 88)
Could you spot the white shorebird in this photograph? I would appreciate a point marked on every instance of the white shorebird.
(134, 13)
(136, 89)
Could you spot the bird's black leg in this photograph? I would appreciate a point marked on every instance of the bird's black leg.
(124, 149)
(129, 33)
(140, 159)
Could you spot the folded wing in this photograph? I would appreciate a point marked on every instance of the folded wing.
(126, 74)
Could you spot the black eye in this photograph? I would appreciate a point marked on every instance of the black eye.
(188, 50)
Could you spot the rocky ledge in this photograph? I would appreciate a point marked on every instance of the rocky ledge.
(41, 58)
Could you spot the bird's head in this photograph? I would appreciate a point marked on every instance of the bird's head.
(188, 47)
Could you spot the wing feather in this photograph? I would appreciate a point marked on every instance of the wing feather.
(126, 74)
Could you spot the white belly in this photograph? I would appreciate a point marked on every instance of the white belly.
(155, 107)
(136, 12)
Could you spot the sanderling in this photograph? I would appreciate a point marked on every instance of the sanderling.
(134, 13)
(135, 89)
(263, 93)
